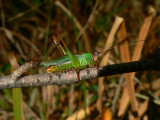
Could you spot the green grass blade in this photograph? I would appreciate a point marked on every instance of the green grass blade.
(17, 103)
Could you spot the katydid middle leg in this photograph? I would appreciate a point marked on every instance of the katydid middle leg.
(77, 75)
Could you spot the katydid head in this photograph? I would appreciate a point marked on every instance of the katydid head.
(95, 55)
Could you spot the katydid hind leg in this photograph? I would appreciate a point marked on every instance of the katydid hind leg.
(74, 60)
(61, 49)
(41, 49)
(57, 44)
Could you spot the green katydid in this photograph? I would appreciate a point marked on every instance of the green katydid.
(69, 60)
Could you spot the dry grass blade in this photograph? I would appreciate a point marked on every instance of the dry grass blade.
(124, 48)
(125, 57)
(136, 56)
(123, 103)
(104, 60)
(50, 98)
(142, 36)
(71, 99)
(10, 37)
(143, 108)
(91, 17)
(29, 112)
(13, 61)
(23, 38)
(79, 26)
(36, 8)
(79, 115)
(19, 15)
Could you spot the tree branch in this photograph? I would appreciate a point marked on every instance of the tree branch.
(57, 78)
(70, 77)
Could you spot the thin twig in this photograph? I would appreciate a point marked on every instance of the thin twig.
(116, 96)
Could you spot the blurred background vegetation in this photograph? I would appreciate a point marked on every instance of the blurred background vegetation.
(84, 25)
